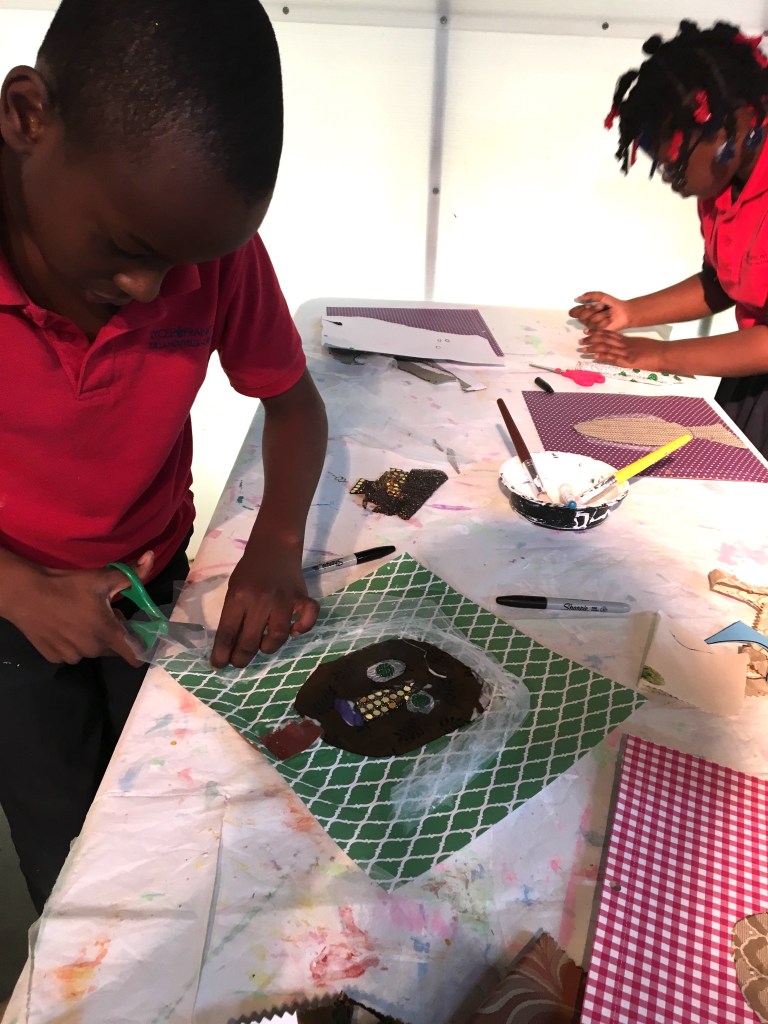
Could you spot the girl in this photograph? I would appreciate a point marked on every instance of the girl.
(698, 107)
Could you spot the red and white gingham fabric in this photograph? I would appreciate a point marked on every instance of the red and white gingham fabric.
(688, 857)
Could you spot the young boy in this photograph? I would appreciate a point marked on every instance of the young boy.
(698, 107)
(137, 163)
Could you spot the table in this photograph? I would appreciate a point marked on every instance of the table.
(202, 890)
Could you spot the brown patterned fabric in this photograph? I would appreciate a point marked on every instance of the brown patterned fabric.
(652, 432)
(399, 492)
(543, 987)
(750, 956)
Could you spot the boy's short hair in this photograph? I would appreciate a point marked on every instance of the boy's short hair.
(122, 72)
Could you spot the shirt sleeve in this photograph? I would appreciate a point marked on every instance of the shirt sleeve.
(257, 341)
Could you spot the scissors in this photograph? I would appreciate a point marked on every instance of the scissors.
(584, 377)
(188, 634)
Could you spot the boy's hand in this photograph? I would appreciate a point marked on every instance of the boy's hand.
(601, 312)
(67, 615)
(266, 603)
(624, 350)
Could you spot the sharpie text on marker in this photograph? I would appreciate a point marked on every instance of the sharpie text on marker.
(564, 604)
(346, 560)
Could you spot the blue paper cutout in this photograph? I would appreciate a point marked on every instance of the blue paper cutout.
(738, 632)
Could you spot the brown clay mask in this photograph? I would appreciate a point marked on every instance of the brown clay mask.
(390, 697)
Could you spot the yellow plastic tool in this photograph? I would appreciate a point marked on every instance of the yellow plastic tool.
(622, 475)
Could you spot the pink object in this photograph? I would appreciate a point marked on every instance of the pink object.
(686, 861)
(584, 377)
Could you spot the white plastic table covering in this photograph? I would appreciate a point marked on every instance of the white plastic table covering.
(201, 889)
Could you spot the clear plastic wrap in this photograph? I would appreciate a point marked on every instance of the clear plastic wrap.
(444, 767)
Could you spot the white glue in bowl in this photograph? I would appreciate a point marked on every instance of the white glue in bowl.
(559, 470)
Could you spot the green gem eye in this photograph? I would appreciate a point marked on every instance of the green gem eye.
(383, 671)
(420, 702)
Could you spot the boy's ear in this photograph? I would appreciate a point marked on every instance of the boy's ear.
(26, 109)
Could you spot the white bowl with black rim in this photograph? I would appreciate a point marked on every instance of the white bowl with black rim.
(560, 473)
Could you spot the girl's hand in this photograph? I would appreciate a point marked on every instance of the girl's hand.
(625, 350)
(602, 312)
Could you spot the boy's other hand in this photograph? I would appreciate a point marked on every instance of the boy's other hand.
(266, 602)
(67, 615)
(600, 311)
(625, 350)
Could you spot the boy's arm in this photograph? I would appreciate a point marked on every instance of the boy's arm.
(737, 354)
(267, 598)
(692, 299)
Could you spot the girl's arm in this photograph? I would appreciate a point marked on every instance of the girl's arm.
(737, 354)
(695, 297)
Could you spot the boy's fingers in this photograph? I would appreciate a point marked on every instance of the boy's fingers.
(253, 636)
(143, 568)
(308, 609)
(225, 639)
(117, 580)
(239, 634)
(243, 633)
(123, 649)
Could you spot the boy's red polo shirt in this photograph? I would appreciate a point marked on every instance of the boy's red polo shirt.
(736, 243)
(96, 438)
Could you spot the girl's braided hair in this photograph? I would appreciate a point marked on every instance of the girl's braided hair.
(698, 79)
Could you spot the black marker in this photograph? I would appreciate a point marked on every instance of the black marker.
(563, 604)
(359, 556)
(544, 385)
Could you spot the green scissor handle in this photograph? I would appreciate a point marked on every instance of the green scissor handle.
(158, 624)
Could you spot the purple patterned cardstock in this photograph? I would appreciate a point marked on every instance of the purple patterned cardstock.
(451, 321)
(701, 459)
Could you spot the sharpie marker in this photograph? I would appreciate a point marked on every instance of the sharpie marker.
(563, 604)
(356, 559)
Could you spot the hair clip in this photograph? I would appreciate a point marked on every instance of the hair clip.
(675, 145)
(725, 151)
(753, 42)
(702, 113)
(754, 136)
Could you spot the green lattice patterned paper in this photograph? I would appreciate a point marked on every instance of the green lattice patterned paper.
(572, 709)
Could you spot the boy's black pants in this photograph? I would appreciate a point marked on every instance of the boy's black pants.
(58, 727)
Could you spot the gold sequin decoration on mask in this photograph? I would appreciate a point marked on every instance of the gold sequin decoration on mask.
(381, 702)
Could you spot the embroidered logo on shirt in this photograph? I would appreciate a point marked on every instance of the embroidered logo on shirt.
(180, 337)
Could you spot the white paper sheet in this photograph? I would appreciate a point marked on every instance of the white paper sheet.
(364, 334)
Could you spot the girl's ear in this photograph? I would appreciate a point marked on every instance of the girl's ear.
(26, 109)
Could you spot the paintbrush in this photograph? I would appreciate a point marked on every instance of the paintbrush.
(522, 451)
(622, 475)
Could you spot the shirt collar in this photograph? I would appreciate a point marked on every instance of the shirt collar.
(755, 185)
